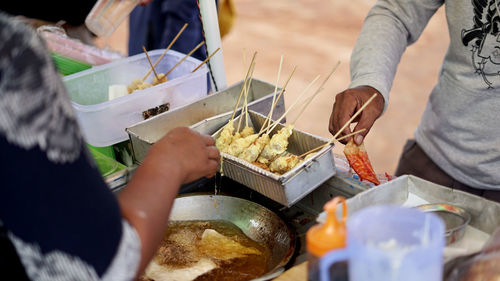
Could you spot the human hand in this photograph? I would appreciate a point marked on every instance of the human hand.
(347, 103)
(187, 153)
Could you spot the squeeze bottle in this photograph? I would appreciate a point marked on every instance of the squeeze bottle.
(322, 238)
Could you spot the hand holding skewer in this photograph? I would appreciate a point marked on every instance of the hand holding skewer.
(344, 126)
(346, 104)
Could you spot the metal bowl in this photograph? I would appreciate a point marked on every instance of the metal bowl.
(256, 221)
(455, 218)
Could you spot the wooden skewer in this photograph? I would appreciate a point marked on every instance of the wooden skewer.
(166, 50)
(273, 125)
(347, 123)
(320, 88)
(278, 98)
(185, 57)
(246, 100)
(244, 111)
(351, 134)
(243, 86)
(275, 92)
(329, 142)
(149, 60)
(308, 101)
(244, 58)
(355, 115)
(203, 62)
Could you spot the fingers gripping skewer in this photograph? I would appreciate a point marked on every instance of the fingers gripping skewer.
(166, 50)
(328, 143)
(346, 124)
(351, 134)
(355, 115)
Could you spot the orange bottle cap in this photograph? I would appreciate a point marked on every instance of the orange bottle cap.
(330, 235)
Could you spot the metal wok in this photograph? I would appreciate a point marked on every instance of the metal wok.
(256, 221)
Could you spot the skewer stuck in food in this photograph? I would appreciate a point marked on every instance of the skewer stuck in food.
(359, 162)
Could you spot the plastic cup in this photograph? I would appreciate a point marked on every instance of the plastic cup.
(107, 15)
(389, 243)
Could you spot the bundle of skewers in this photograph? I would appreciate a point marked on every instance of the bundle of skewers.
(140, 83)
(266, 148)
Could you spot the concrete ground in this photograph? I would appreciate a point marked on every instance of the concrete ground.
(313, 35)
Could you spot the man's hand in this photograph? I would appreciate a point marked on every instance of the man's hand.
(187, 153)
(347, 103)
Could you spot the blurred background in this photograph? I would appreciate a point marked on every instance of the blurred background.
(314, 35)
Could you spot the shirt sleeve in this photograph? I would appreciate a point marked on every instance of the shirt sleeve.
(63, 220)
(389, 27)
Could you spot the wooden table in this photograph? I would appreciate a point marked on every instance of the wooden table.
(296, 273)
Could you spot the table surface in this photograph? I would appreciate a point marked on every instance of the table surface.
(295, 273)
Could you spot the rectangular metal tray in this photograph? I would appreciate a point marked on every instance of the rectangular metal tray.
(144, 134)
(292, 186)
(411, 191)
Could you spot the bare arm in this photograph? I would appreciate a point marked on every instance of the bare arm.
(180, 157)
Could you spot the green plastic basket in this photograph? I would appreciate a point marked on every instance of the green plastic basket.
(67, 66)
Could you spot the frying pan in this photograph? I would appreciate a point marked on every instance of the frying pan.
(256, 221)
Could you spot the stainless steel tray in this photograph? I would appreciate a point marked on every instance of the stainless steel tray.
(411, 191)
(292, 186)
(144, 134)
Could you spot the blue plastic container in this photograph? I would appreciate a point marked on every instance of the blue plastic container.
(389, 243)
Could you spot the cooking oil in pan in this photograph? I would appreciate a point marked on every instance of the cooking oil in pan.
(235, 256)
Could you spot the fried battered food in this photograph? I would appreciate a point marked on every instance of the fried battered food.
(262, 166)
(137, 84)
(359, 162)
(247, 131)
(253, 151)
(277, 145)
(284, 163)
(239, 145)
(161, 79)
(219, 246)
(225, 138)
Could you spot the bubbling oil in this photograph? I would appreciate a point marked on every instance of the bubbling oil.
(237, 259)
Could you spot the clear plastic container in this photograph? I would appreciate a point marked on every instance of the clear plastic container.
(390, 243)
(104, 121)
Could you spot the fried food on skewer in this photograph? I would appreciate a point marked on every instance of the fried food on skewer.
(225, 138)
(137, 84)
(276, 146)
(247, 131)
(239, 145)
(161, 78)
(358, 160)
(284, 163)
(253, 151)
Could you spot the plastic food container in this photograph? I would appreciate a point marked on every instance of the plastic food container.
(103, 121)
(389, 242)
